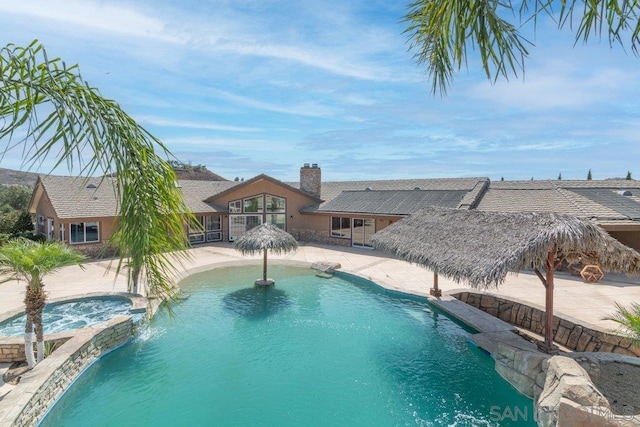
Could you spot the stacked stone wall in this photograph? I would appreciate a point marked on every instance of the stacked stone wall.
(98, 250)
(311, 235)
(566, 332)
(39, 388)
(12, 348)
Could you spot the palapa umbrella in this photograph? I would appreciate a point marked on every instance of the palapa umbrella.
(263, 238)
(480, 248)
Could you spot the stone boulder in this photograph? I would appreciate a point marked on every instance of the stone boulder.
(569, 398)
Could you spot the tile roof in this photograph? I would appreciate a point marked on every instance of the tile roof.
(592, 199)
(392, 202)
(74, 197)
(332, 189)
(80, 197)
(195, 192)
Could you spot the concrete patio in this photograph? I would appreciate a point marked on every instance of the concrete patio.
(586, 302)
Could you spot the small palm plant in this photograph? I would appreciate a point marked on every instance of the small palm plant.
(30, 261)
(629, 319)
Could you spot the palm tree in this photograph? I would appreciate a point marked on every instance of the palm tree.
(29, 261)
(52, 112)
(628, 319)
(442, 31)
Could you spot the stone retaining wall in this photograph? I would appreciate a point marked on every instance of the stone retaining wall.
(12, 348)
(309, 235)
(39, 388)
(566, 331)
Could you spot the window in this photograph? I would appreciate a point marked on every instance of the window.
(235, 206)
(252, 211)
(196, 231)
(341, 227)
(238, 224)
(213, 227)
(253, 204)
(276, 204)
(84, 232)
(277, 220)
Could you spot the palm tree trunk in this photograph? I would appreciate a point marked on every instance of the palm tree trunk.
(28, 342)
(135, 278)
(34, 304)
(37, 323)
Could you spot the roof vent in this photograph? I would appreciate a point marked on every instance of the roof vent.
(367, 189)
(91, 186)
(624, 193)
(417, 188)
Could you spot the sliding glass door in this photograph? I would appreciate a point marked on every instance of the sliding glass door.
(362, 230)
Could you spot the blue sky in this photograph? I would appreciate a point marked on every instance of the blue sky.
(257, 86)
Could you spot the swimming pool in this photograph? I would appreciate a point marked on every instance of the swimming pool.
(309, 351)
(73, 314)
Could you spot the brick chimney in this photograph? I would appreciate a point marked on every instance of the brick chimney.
(311, 179)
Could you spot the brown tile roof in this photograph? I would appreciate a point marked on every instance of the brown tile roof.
(78, 197)
(195, 192)
(73, 197)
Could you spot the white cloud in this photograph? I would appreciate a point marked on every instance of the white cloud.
(120, 18)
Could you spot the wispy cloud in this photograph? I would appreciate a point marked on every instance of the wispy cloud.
(164, 122)
(120, 19)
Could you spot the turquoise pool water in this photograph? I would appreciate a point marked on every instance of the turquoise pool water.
(65, 316)
(308, 352)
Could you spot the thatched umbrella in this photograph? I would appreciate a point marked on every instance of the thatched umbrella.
(262, 238)
(480, 248)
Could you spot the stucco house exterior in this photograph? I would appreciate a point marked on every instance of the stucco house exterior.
(83, 211)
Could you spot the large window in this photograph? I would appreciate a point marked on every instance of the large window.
(238, 224)
(252, 211)
(341, 227)
(84, 232)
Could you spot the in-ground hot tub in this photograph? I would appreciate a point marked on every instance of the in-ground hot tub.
(74, 314)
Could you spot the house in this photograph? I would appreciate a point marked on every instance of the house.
(83, 211)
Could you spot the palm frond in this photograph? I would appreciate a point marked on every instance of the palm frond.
(50, 110)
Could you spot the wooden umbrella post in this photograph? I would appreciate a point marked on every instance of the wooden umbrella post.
(435, 291)
(548, 346)
(264, 266)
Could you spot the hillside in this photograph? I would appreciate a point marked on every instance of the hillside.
(200, 173)
(14, 177)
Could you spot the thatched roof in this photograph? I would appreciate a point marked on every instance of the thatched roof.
(480, 248)
(265, 236)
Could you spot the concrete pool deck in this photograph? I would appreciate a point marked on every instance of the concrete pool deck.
(586, 302)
